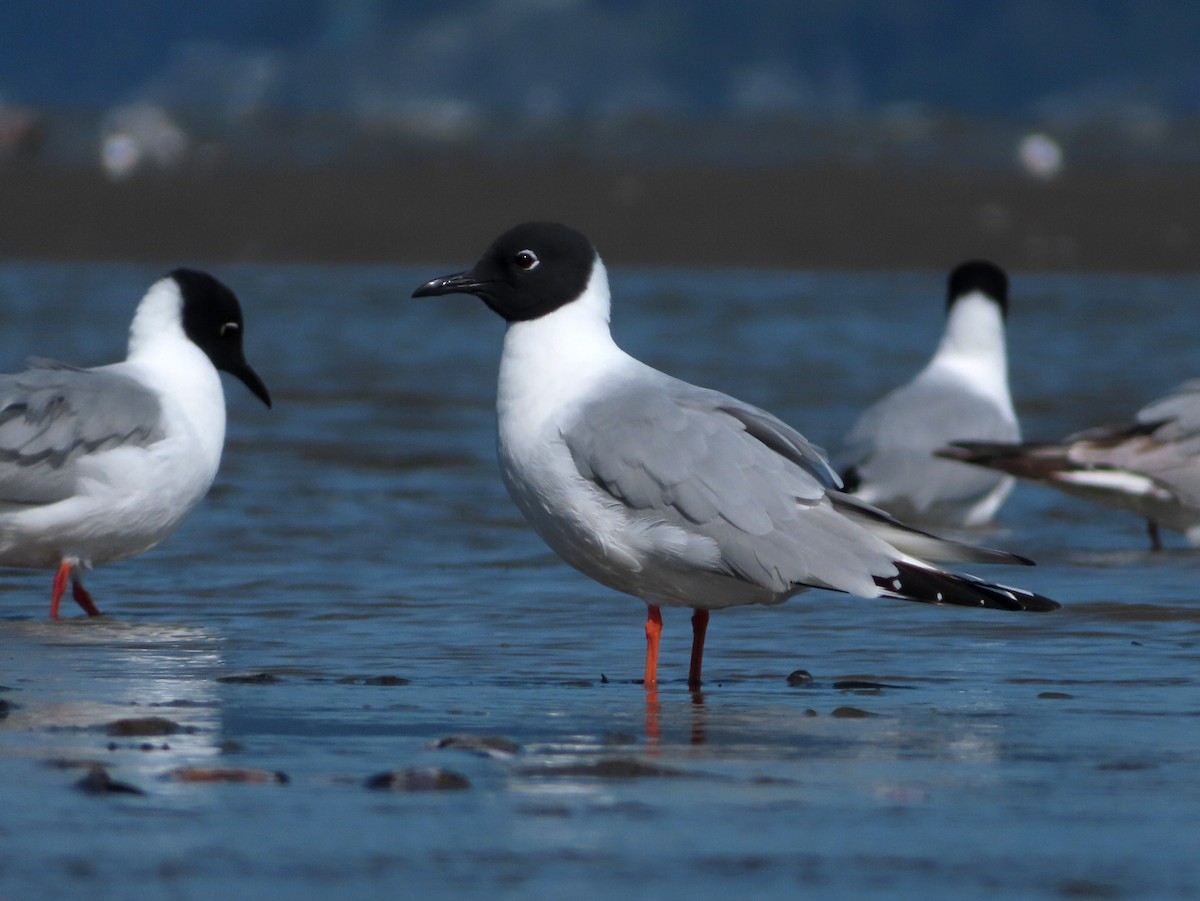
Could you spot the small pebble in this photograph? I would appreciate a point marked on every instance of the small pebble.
(143, 726)
(864, 685)
(372, 680)
(482, 744)
(605, 768)
(418, 779)
(799, 677)
(226, 774)
(851, 713)
(249, 679)
(98, 782)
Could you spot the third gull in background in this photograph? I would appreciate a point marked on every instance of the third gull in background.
(887, 459)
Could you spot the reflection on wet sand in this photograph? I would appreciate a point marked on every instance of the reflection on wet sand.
(137, 695)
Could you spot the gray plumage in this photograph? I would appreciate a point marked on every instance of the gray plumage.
(757, 500)
(890, 448)
(53, 414)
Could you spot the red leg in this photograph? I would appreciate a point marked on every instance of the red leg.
(60, 585)
(82, 597)
(699, 629)
(653, 634)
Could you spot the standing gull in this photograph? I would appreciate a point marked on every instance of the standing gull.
(678, 495)
(887, 458)
(101, 464)
(1150, 465)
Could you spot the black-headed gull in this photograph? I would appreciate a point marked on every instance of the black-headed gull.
(101, 464)
(676, 494)
(887, 458)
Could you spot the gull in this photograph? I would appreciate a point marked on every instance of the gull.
(676, 494)
(887, 459)
(101, 464)
(1150, 465)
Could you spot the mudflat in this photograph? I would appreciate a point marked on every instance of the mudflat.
(428, 208)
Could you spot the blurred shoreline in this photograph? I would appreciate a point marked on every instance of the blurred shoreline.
(445, 208)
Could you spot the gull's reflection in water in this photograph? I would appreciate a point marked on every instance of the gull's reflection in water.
(69, 681)
(698, 722)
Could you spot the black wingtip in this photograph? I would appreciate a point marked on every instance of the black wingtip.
(932, 586)
(983, 452)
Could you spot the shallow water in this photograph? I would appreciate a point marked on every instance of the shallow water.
(358, 587)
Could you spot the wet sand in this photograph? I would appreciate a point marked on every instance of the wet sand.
(1115, 218)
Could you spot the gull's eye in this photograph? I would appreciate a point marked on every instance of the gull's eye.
(229, 328)
(526, 259)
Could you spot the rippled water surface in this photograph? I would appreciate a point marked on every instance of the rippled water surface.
(357, 588)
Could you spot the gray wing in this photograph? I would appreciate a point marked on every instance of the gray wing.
(1175, 417)
(891, 446)
(711, 466)
(53, 414)
(1163, 443)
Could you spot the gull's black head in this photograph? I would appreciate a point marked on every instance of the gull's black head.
(212, 320)
(529, 271)
(978, 275)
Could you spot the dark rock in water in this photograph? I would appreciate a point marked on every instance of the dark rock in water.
(1055, 696)
(249, 679)
(226, 774)
(799, 677)
(480, 744)
(4, 708)
(852, 713)
(230, 746)
(143, 726)
(865, 685)
(418, 779)
(372, 680)
(98, 782)
(606, 768)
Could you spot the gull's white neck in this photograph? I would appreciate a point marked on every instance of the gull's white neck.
(550, 361)
(973, 347)
(165, 359)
